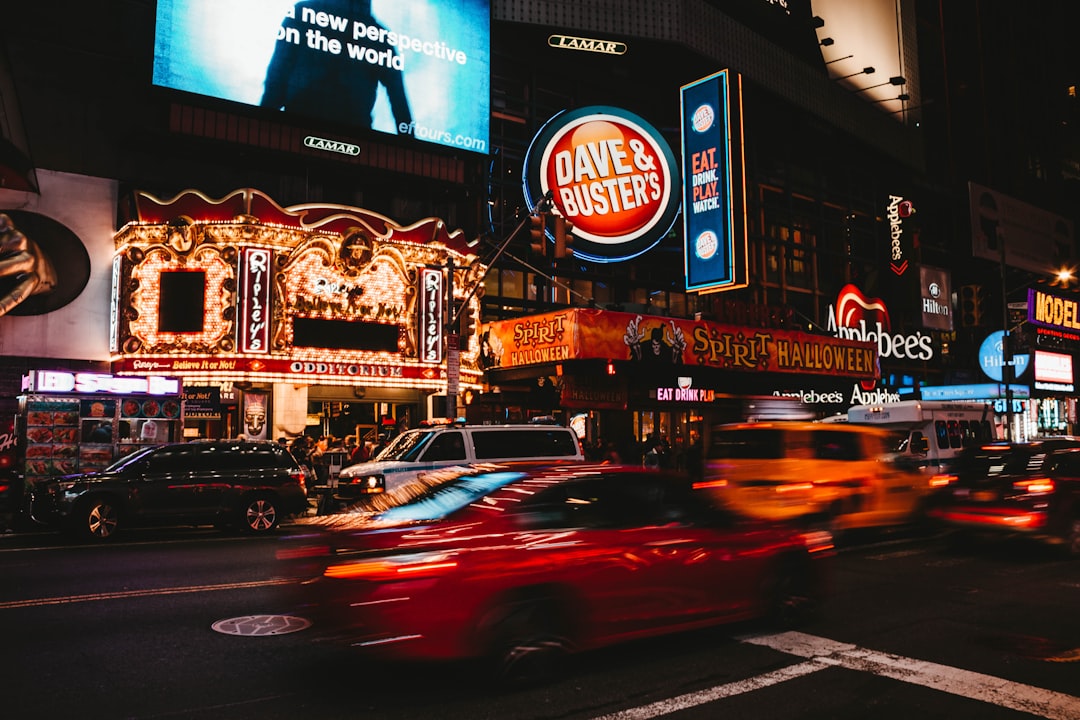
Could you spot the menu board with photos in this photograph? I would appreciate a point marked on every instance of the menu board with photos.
(76, 434)
(149, 420)
(52, 438)
(97, 428)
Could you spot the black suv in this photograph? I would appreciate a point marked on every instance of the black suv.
(1030, 489)
(228, 483)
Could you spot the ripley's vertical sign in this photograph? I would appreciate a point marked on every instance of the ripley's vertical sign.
(430, 314)
(714, 208)
(254, 325)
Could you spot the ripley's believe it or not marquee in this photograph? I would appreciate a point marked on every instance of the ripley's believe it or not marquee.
(243, 289)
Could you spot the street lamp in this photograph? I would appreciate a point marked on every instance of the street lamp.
(1006, 354)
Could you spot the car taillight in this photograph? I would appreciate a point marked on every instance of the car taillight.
(298, 476)
(393, 568)
(1034, 486)
(818, 541)
(941, 480)
(707, 484)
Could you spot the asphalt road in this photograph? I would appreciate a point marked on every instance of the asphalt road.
(914, 628)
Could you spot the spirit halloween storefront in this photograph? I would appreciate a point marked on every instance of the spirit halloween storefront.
(317, 319)
(623, 374)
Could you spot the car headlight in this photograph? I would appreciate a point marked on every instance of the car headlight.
(371, 483)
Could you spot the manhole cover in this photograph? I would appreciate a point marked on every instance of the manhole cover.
(257, 625)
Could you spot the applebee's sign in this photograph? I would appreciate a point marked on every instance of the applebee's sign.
(857, 317)
(898, 211)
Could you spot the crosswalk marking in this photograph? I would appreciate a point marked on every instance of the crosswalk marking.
(822, 653)
(973, 685)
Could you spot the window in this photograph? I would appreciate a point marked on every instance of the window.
(182, 302)
(837, 446)
(491, 444)
(172, 459)
(609, 502)
(956, 438)
(747, 444)
(941, 433)
(448, 445)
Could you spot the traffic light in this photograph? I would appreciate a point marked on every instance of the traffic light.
(564, 237)
(971, 305)
(466, 328)
(538, 234)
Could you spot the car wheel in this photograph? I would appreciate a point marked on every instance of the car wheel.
(259, 514)
(791, 595)
(97, 518)
(527, 641)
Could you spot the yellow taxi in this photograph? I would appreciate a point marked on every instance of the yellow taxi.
(837, 474)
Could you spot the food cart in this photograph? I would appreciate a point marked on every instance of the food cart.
(72, 422)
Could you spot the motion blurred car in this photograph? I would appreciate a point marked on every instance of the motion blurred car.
(230, 483)
(1025, 489)
(840, 476)
(519, 565)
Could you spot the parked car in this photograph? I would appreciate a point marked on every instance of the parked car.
(520, 564)
(835, 474)
(414, 453)
(1024, 489)
(229, 483)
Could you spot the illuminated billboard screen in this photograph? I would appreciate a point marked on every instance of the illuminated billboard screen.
(714, 204)
(415, 68)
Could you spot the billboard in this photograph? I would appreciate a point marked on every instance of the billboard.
(414, 68)
(1004, 229)
(714, 207)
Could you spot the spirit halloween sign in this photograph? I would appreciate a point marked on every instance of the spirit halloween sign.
(579, 334)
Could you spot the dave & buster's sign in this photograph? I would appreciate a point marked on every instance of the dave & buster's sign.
(611, 174)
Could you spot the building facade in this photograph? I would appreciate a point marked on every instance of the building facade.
(141, 180)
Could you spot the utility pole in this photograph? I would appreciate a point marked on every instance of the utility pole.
(453, 344)
(453, 313)
(1006, 347)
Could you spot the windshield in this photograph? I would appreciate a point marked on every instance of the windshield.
(406, 446)
(762, 444)
(449, 498)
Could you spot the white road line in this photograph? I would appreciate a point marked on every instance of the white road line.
(977, 686)
(689, 700)
(822, 653)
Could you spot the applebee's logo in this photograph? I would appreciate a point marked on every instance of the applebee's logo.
(857, 317)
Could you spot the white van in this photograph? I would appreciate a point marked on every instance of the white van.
(930, 434)
(416, 452)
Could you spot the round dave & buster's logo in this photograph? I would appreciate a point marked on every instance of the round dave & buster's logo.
(611, 174)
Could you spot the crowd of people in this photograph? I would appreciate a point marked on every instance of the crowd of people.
(328, 453)
(653, 452)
